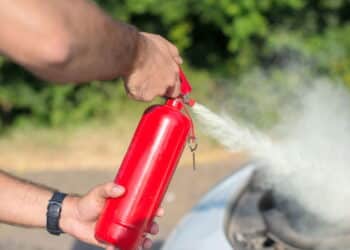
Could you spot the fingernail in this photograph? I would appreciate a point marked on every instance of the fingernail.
(148, 244)
(154, 230)
(160, 212)
(118, 190)
(180, 60)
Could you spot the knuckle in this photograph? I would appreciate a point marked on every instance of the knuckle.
(177, 71)
(108, 186)
(134, 92)
(137, 97)
(172, 83)
(176, 50)
(148, 98)
(134, 95)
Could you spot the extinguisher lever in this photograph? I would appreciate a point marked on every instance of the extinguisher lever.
(186, 89)
(191, 139)
(185, 85)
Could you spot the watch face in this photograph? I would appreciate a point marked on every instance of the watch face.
(54, 209)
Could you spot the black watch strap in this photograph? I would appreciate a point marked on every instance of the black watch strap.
(53, 214)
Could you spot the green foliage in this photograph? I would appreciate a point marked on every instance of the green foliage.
(261, 97)
(25, 99)
(227, 37)
(233, 36)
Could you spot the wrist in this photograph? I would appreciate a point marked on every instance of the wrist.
(132, 39)
(69, 213)
(138, 55)
(141, 48)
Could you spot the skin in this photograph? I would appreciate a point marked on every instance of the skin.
(67, 41)
(75, 41)
(78, 215)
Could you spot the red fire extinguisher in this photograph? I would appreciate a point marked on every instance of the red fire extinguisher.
(146, 171)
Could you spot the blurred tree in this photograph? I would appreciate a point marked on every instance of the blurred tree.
(224, 36)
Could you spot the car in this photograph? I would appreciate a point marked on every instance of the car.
(242, 213)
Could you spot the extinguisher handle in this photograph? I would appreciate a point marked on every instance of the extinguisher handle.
(185, 85)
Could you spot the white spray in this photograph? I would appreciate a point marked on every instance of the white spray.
(310, 162)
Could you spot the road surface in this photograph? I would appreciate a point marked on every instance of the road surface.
(186, 188)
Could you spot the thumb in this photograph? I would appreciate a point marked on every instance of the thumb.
(107, 190)
(111, 248)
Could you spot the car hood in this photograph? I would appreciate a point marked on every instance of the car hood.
(204, 226)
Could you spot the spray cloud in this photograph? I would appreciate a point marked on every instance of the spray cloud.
(309, 161)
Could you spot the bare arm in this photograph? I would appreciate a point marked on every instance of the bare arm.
(75, 41)
(25, 204)
(22, 203)
(63, 40)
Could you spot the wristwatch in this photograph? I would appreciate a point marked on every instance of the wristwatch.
(53, 214)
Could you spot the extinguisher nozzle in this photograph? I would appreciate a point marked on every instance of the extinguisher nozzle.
(188, 100)
(185, 85)
(191, 102)
(186, 89)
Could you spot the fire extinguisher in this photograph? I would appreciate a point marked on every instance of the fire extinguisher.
(146, 171)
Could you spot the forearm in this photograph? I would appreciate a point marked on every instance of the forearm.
(24, 203)
(62, 40)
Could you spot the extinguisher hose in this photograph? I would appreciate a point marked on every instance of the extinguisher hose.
(192, 136)
(192, 139)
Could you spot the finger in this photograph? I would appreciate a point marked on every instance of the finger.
(141, 92)
(135, 97)
(179, 60)
(110, 248)
(171, 48)
(148, 97)
(134, 91)
(147, 243)
(160, 212)
(174, 53)
(174, 90)
(154, 228)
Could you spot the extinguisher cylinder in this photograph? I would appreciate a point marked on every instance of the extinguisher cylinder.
(145, 172)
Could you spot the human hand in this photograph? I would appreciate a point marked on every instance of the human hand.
(79, 214)
(155, 71)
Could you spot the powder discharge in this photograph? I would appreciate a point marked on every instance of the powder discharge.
(310, 159)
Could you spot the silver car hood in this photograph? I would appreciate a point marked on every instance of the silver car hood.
(204, 226)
